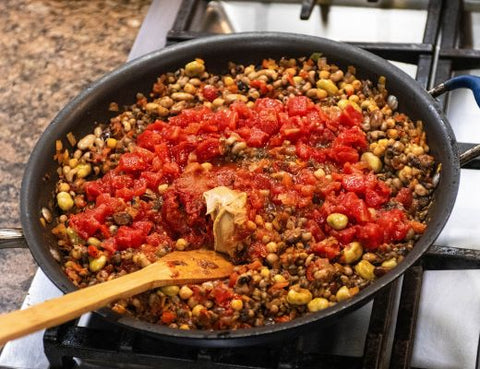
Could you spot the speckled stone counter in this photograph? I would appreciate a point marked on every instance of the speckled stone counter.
(50, 51)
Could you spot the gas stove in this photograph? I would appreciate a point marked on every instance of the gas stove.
(430, 318)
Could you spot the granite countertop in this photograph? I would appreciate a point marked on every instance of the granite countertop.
(51, 50)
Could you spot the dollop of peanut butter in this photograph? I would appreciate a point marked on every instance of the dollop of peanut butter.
(228, 210)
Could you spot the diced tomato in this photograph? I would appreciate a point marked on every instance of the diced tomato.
(356, 207)
(168, 317)
(370, 235)
(149, 139)
(267, 103)
(254, 136)
(129, 237)
(345, 236)
(132, 162)
(208, 149)
(222, 295)
(267, 121)
(209, 92)
(328, 248)
(354, 183)
(404, 197)
(299, 105)
(92, 251)
(261, 86)
(343, 154)
(93, 189)
(394, 225)
(350, 116)
(84, 224)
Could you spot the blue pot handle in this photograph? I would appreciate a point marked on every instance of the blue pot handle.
(464, 81)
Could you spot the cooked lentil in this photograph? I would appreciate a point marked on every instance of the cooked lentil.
(338, 183)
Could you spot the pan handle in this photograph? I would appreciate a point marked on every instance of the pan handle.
(12, 238)
(464, 81)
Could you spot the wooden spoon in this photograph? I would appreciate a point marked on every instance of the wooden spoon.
(178, 267)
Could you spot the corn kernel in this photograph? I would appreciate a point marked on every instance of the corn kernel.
(170, 290)
(319, 173)
(327, 85)
(197, 309)
(195, 68)
(162, 188)
(317, 304)
(352, 252)
(228, 81)
(337, 221)
(97, 264)
(236, 304)
(343, 293)
(299, 296)
(111, 143)
(181, 244)
(64, 201)
(265, 272)
(94, 241)
(365, 269)
(389, 264)
(83, 170)
(372, 161)
(185, 293)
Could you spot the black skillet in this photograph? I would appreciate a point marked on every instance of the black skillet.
(121, 86)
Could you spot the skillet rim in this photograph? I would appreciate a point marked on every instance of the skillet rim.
(248, 41)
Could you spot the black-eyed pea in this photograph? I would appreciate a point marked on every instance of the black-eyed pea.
(166, 102)
(336, 76)
(86, 142)
(182, 96)
(312, 93)
(420, 190)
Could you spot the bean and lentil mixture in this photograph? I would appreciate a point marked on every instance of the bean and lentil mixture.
(338, 183)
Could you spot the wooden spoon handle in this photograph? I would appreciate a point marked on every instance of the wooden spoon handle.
(62, 309)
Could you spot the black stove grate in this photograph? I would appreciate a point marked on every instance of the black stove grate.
(445, 48)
